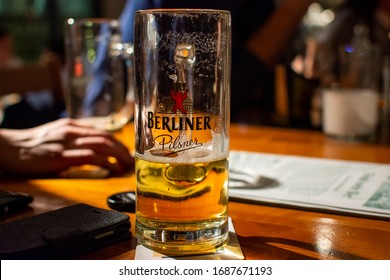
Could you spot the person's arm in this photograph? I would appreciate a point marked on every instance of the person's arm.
(271, 39)
(127, 16)
(58, 145)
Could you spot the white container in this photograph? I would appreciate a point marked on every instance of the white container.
(350, 113)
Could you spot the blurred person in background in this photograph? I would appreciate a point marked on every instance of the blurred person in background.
(262, 32)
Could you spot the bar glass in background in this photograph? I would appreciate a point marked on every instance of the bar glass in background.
(351, 104)
(99, 81)
(182, 117)
(100, 78)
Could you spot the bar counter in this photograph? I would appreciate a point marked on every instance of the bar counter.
(264, 232)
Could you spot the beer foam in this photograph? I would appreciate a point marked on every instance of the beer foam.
(196, 155)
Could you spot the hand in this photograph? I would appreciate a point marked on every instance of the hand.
(58, 145)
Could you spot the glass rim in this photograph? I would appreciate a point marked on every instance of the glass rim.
(182, 11)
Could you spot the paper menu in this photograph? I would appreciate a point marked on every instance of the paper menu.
(351, 187)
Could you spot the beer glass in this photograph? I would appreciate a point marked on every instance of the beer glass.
(100, 76)
(182, 112)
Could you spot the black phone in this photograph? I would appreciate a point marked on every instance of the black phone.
(62, 233)
(13, 201)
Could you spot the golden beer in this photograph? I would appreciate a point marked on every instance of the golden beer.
(184, 201)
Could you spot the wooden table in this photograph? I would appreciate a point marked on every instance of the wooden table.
(264, 232)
